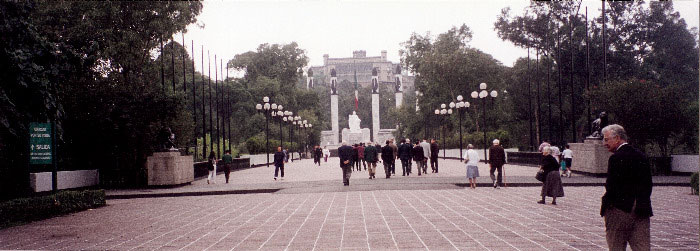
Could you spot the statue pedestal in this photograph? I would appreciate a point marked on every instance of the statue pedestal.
(356, 137)
(169, 168)
(590, 157)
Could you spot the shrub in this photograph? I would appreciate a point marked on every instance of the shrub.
(694, 183)
(24, 210)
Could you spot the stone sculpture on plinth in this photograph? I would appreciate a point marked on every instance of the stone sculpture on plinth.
(166, 166)
(597, 125)
(354, 134)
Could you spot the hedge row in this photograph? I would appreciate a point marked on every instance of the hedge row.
(25, 210)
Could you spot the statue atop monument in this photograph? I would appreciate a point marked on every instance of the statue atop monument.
(397, 83)
(375, 85)
(598, 124)
(334, 90)
(354, 122)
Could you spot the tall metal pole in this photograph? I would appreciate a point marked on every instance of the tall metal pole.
(228, 114)
(172, 61)
(204, 114)
(538, 111)
(194, 104)
(221, 95)
(281, 139)
(529, 99)
(184, 66)
(486, 144)
(605, 48)
(211, 107)
(291, 149)
(162, 66)
(588, 76)
(461, 113)
(218, 113)
(571, 78)
(549, 90)
(560, 83)
(267, 140)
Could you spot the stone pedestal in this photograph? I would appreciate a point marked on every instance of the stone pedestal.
(356, 137)
(375, 116)
(327, 138)
(399, 99)
(590, 157)
(334, 118)
(385, 134)
(169, 168)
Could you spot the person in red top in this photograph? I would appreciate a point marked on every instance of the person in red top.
(361, 156)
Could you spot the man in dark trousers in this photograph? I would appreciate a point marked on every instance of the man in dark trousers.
(434, 155)
(361, 156)
(370, 156)
(355, 157)
(418, 157)
(497, 157)
(395, 150)
(317, 155)
(387, 158)
(279, 161)
(626, 205)
(345, 154)
(405, 156)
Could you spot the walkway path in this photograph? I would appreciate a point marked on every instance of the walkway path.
(402, 213)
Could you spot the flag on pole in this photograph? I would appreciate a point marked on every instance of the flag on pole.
(356, 100)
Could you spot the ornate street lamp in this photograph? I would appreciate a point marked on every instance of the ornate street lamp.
(483, 94)
(265, 108)
(444, 112)
(461, 108)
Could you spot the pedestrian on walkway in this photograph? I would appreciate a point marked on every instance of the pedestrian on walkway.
(387, 158)
(345, 154)
(568, 156)
(228, 161)
(472, 159)
(356, 157)
(395, 151)
(434, 149)
(426, 154)
(544, 144)
(405, 156)
(626, 205)
(552, 182)
(211, 166)
(317, 155)
(326, 153)
(419, 158)
(279, 162)
(361, 156)
(286, 155)
(556, 153)
(371, 158)
(497, 157)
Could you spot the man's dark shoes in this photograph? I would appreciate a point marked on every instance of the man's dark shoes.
(540, 202)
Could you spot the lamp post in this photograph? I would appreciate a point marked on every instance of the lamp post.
(483, 94)
(265, 108)
(461, 108)
(288, 118)
(443, 112)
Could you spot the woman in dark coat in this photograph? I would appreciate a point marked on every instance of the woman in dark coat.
(552, 183)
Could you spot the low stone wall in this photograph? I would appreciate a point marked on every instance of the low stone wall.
(41, 182)
(169, 168)
(685, 163)
(200, 168)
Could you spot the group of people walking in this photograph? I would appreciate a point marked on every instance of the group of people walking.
(367, 156)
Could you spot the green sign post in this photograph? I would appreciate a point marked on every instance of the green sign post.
(40, 144)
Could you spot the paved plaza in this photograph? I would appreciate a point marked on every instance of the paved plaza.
(311, 210)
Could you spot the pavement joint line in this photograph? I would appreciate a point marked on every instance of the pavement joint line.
(260, 225)
(285, 221)
(409, 224)
(182, 194)
(384, 219)
(304, 223)
(318, 235)
(345, 213)
(241, 225)
(364, 221)
(426, 219)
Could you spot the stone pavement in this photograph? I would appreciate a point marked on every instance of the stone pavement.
(380, 216)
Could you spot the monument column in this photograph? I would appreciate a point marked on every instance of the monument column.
(375, 106)
(334, 107)
(398, 86)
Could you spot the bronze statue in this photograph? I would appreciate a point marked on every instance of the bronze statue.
(375, 85)
(166, 139)
(333, 82)
(598, 124)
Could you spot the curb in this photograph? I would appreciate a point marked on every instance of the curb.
(183, 194)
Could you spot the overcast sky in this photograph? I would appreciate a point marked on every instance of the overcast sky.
(339, 27)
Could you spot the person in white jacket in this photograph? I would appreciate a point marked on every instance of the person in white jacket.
(326, 153)
(472, 158)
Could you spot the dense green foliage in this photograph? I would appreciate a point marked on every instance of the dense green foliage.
(649, 49)
(23, 210)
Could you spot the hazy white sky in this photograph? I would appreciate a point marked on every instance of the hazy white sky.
(339, 27)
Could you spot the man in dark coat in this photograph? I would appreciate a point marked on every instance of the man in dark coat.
(395, 150)
(405, 156)
(626, 205)
(355, 157)
(370, 156)
(387, 158)
(497, 157)
(279, 162)
(418, 157)
(434, 149)
(345, 154)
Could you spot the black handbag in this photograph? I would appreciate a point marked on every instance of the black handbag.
(540, 175)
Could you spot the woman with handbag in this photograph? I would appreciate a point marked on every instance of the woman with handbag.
(211, 166)
(552, 186)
